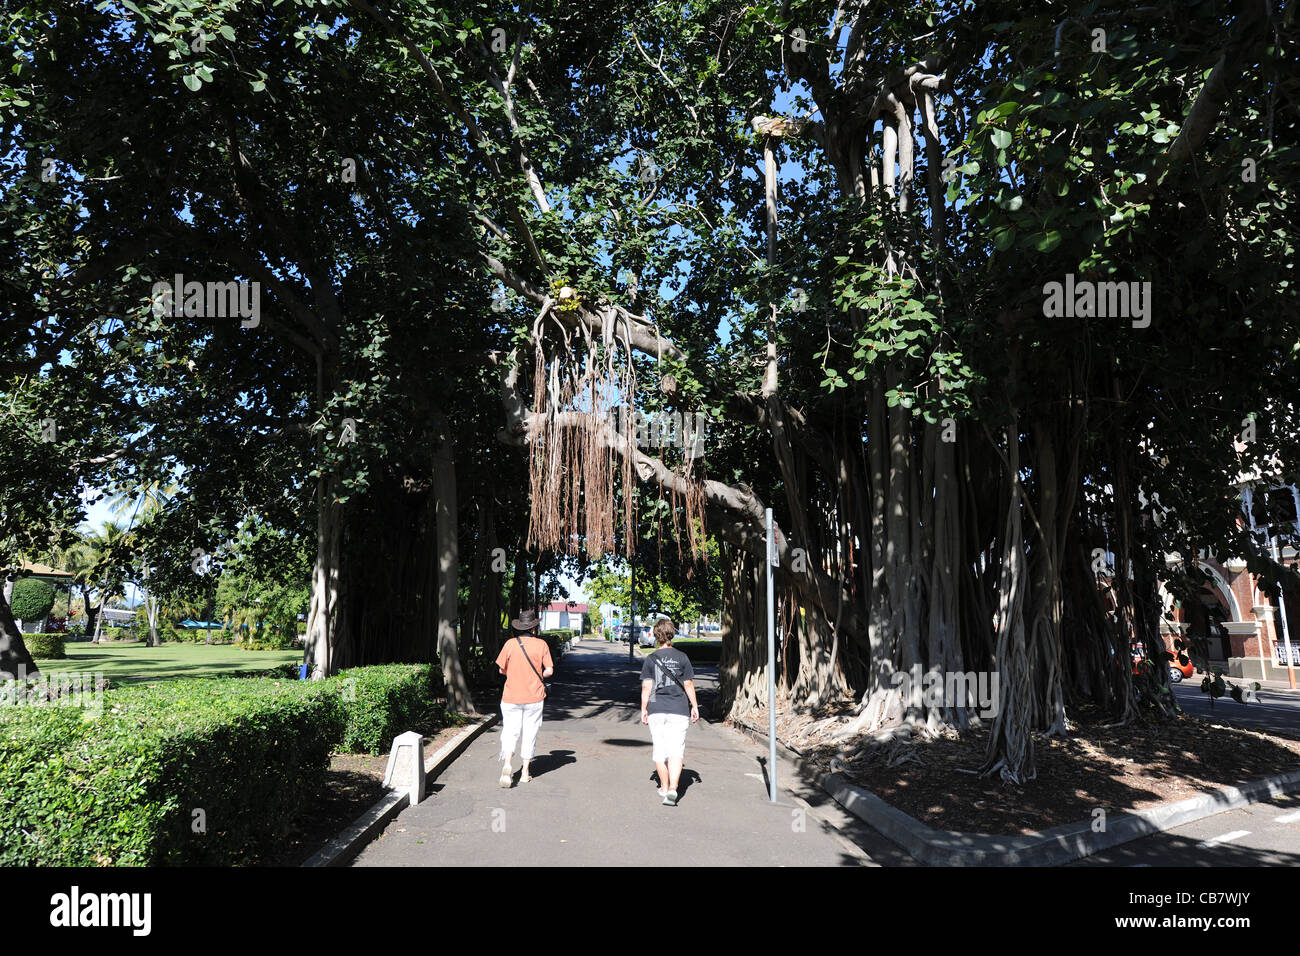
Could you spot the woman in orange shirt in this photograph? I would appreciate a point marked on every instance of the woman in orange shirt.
(525, 661)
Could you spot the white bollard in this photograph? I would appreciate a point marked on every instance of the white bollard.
(405, 772)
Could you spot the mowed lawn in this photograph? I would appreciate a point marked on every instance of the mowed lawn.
(138, 661)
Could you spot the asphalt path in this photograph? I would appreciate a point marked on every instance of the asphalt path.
(593, 800)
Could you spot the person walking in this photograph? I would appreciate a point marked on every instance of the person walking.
(669, 706)
(526, 662)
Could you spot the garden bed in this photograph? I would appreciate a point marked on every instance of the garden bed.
(353, 784)
(1133, 767)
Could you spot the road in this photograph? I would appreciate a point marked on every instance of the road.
(1262, 834)
(1276, 709)
(592, 800)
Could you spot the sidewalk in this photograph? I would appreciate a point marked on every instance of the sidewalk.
(592, 800)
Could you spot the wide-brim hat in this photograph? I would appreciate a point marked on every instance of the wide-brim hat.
(525, 621)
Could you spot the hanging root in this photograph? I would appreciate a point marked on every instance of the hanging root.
(572, 438)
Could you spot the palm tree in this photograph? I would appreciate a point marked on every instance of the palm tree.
(99, 561)
(145, 501)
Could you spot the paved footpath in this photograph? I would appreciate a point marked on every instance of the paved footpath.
(592, 799)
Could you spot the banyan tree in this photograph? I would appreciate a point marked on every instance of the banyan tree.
(967, 488)
(962, 482)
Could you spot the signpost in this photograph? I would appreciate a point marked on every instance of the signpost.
(771, 658)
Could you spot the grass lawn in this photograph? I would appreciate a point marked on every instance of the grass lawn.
(138, 662)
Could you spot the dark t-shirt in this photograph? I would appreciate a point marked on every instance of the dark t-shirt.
(666, 697)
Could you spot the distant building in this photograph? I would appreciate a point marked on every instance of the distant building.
(1242, 621)
(118, 616)
(560, 615)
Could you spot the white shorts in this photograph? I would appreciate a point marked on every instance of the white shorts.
(668, 731)
(519, 724)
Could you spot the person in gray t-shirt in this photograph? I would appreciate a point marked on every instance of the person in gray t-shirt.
(669, 706)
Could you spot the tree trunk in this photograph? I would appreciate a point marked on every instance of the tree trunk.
(15, 661)
(92, 612)
(151, 611)
(448, 549)
(1011, 744)
(323, 614)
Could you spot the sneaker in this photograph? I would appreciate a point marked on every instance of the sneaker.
(507, 774)
(525, 777)
(670, 798)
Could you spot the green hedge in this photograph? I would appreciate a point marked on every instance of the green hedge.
(123, 787)
(557, 639)
(384, 700)
(45, 646)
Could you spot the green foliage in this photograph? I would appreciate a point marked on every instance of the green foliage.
(32, 599)
(384, 700)
(1215, 686)
(264, 587)
(122, 788)
(45, 646)
(557, 639)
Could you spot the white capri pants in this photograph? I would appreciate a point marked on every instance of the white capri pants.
(668, 731)
(517, 719)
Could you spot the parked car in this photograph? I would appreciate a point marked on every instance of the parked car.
(1180, 665)
(642, 632)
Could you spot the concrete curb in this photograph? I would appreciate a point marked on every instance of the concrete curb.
(345, 847)
(1052, 847)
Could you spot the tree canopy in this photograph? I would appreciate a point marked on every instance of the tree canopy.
(993, 306)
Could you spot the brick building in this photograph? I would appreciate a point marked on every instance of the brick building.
(1242, 621)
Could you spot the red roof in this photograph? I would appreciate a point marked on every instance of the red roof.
(571, 608)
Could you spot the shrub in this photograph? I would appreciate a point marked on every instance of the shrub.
(123, 788)
(46, 646)
(384, 700)
(557, 639)
(32, 599)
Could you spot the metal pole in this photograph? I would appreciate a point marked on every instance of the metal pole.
(1281, 610)
(771, 660)
(631, 631)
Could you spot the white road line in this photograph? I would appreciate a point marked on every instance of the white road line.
(1288, 817)
(1212, 841)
